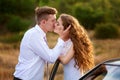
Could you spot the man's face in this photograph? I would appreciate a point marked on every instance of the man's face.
(50, 23)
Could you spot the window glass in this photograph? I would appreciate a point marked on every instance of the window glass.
(105, 72)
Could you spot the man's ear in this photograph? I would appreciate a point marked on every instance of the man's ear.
(43, 21)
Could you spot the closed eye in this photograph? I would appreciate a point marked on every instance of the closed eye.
(57, 23)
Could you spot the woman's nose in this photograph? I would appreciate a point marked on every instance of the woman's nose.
(56, 24)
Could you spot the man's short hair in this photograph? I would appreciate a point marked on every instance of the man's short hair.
(43, 12)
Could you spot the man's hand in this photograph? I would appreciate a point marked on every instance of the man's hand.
(65, 35)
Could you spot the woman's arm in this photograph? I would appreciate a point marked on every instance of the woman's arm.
(66, 58)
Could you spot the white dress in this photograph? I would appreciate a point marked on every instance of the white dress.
(70, 72)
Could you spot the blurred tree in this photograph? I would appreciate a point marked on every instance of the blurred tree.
(37, 2)
(115, 10)
(106, 30)
(44, 2)
(87, 15)
(21, 8)
(88, 12)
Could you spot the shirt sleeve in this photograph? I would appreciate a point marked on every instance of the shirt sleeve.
(40, 48)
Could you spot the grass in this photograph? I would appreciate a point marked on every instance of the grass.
(104, 49)
(8, 60)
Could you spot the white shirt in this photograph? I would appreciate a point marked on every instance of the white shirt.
(34, 52)
(70, 72)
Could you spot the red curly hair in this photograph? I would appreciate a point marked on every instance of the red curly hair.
(82, 45)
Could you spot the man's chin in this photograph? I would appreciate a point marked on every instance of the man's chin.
(51, 30)
(54, 31)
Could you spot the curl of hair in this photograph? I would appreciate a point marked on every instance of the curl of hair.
(83, 48)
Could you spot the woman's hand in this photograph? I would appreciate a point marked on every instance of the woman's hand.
(65, 35)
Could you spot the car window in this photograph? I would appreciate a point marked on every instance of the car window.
(113, 73)
(105, 72)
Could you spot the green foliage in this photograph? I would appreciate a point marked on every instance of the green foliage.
(17, 24)
(87, 15)
(115, 11)
(3, 19)
(88, 12)
(107, 30)
(22, 10)
(18, 7)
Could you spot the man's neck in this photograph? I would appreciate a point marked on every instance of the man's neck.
(43, 28)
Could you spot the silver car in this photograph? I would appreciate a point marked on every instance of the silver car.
(107, 70)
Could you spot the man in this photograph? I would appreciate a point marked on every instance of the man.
(34, 51)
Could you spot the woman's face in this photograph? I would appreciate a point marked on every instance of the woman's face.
(59, 28)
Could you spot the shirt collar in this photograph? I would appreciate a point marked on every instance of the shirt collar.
(40, 30)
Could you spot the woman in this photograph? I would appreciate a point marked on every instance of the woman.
(77, 55)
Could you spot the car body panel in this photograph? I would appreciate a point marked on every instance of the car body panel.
(108, 70)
